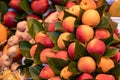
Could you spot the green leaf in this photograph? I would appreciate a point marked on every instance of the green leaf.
(67, 14)
(57, 64)
(20, 16)
(80, 50)
(34, 71)
(59, 8)
(25, 48)
(110, 52)
(34, 26)
(72, 67)
(115, 71)
(24, 4)
(113, 25)
(39, 48)
(63, 2)
(28, 62)
(58, 27)
(54, 36)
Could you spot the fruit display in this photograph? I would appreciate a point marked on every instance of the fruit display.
(58, 40)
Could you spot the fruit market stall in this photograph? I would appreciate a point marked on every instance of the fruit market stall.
(59, 40)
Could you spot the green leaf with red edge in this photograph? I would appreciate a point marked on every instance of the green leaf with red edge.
(110, 52)
(57, 64)
(80, 50)
(24, 4)
(39, 48)
(34, 26)
(25, 48)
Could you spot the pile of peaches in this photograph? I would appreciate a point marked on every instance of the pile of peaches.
(75, 41)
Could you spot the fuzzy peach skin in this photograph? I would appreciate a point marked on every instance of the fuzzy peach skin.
(32, 50)
(104, 77)
(86, 64)
(106, 64)
(84, 33)
(68, 24)
(65, 73)
(46, 53)
(96, 46)
(102, 33)
(46, 72)
(51, 27)
(88, 4)
(71, 50)
(84, 76)
(62, 54)
(91, 17)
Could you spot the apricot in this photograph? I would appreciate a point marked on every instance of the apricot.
(65, 73)
(86, 64)
(104, 77)
(84, 33)
(63, 36)
(68, 24)
(106, 64)
(102, 33)
(3, 30)
(96, 46)
(91, 17)
(61, 15)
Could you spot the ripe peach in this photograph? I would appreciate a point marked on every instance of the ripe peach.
(104, 77)
(86, 64)
(84, 76)
(102, 33)
(70, 4)
(32, 50)
(65, 73)
(60, 15)
(84, 33)
(54, 78)
(88, 4)
(96, 46)
(106, 64)
(46, 53)
(68, 24)
(46, 72)
(91, 17)
(51, 27)
(63, 36)
(44, 39)
(117, 56)
(62, 55)
(32, 16)
(71, 50)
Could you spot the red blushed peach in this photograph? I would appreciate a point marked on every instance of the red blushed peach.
(84, 76)
(54, 78)
(43, 39)
(117, 56)
(46, 53)
(84, 33)
(106, 64)
(51, 27)
(46, 73)
(96, 46)
(68, 24)
(102, 33)
(71, 50)
(65, 73)
(104, 77)
(86, 64)
(70, 4)
(62, 55)
(32, 50)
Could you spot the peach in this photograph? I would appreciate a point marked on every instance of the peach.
(47, 52)
(54, 78)
(69, 4)
(62, 55)
(65, 73)
(51, 27)
(75, 10)
(84, 76)
(84, 33)
(88, 4)
(104, 77)
(46, 72)
(117, 56)
(106, 64)
(102, 33)
(71, 50)
(86, 64)
(44, 39)
(68, 24)
(61, 15)
(63, 36)
(32, 50)
(96, 46)
(91, 17)
(32, 16)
